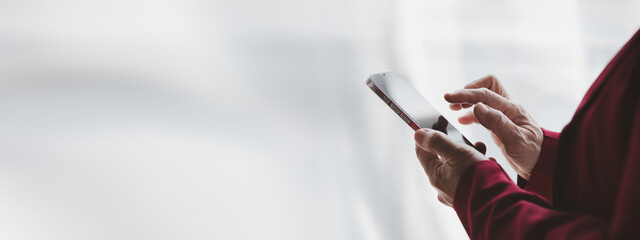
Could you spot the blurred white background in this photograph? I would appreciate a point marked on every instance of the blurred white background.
(250, 119)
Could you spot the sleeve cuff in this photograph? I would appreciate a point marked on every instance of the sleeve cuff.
(478, 181)
(466, 183)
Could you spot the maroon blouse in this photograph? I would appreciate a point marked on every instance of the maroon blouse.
(586, 183)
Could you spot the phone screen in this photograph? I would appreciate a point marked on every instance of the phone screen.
(407, 103)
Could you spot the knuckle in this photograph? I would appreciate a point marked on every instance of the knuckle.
(521, 111)
(516, 111)
(495, 117)
(485, 91)
(488, 95)
(517, 108)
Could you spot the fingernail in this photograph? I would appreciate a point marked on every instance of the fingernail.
(450, 94)
(454, 92)
(481, 110)
(420, 135)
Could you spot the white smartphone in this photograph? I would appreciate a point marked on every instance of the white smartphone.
(407, 103)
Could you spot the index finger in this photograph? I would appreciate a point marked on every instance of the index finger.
(483, 95)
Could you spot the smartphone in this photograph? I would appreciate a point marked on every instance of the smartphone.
(407, 103)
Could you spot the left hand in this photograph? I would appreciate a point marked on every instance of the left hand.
(445, 161)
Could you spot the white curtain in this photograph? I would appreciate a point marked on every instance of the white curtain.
(251, 120)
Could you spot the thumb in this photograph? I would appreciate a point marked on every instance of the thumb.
(496, 121)
(438, 143)
(430, 162)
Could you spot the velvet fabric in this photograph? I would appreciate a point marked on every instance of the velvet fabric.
(586, 183)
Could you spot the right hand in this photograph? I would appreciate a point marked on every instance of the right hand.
(514, 131)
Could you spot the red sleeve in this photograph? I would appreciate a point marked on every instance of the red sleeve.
(542, 175)
(491, 206)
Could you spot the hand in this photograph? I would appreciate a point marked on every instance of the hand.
(444, 172)
(516, 133)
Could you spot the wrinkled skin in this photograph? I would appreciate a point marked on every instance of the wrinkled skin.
(514, 131)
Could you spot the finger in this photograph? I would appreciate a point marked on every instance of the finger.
(429, 161)
(473, 96)
(493, 160)
(455, 106)
(480, 147)
(497, 122)
(485, 96)
(438, 143)
(468, 119)
(425, 155)
(490, 82)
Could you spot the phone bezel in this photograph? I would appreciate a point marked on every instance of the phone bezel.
(390, 102)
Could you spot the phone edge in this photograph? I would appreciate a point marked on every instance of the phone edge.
(383, 96)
